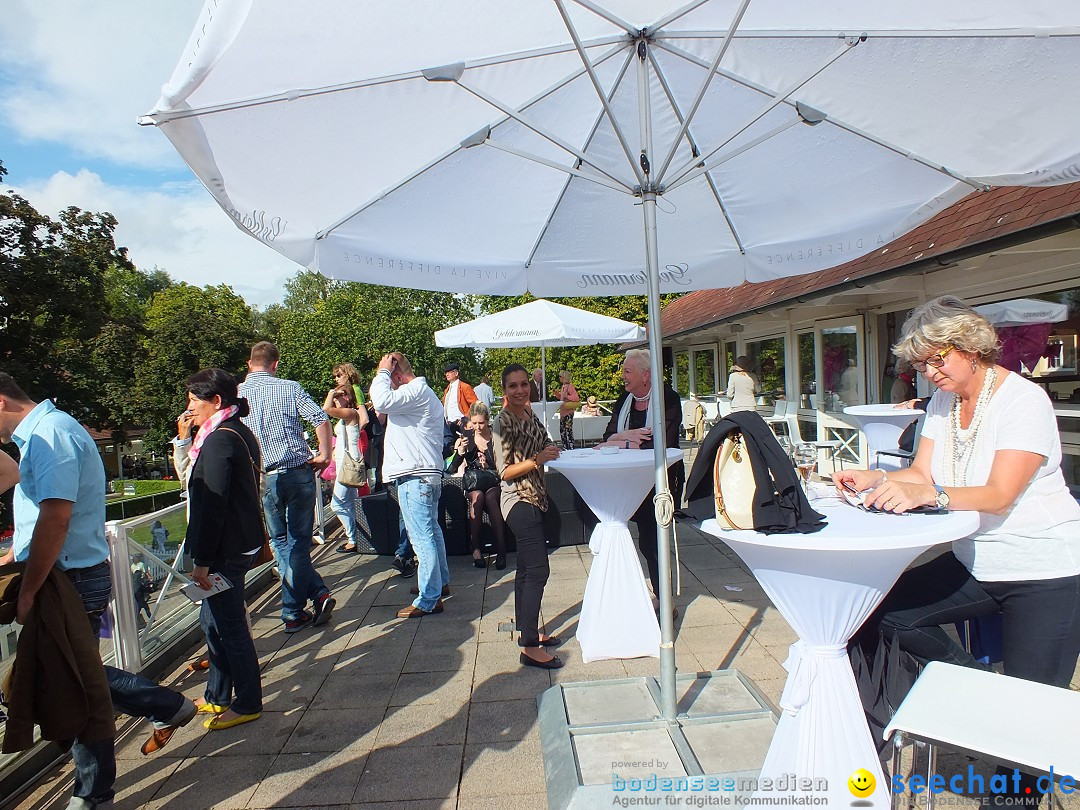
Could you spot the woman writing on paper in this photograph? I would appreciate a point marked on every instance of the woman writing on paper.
(225, 532)
(990, 444)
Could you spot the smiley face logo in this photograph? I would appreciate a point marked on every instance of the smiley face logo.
(861, 783)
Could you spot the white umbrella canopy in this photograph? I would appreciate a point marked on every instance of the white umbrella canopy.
(333, 135)
(1023, 311)
(539, 323)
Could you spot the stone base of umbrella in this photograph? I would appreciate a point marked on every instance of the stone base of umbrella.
(607, 739)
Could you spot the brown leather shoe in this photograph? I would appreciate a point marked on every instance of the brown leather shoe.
(415, 590)
(413, 612)
(161, 736)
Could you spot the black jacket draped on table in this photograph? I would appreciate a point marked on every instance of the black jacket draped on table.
(780, 505)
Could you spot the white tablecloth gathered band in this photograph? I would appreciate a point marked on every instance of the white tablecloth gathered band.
(826, 585)
(617, 618)
(882, 426)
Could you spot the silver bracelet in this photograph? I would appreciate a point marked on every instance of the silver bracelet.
(884, 477)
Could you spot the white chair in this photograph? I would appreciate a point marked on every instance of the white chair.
(827, 449)
(723, 408)
(990, 716)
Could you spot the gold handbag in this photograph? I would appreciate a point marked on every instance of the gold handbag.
(734, 486)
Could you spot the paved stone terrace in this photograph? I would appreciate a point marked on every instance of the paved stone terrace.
(372, 711)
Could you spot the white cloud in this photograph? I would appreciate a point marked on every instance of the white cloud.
(80, 73)
(180, 229)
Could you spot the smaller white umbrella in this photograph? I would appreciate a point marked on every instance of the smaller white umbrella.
(1023, 311)
(539, 323)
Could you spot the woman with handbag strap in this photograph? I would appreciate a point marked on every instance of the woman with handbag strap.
(480, 482)
(571, 401)
(224, 534)
(341, 404)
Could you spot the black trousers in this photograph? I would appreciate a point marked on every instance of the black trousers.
(527, 524)
(645, 520)
(1041, 629)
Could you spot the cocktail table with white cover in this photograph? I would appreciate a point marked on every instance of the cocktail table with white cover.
(882, 426)
(826, 585)
(617, 618)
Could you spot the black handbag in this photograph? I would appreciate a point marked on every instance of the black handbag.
(481, 479)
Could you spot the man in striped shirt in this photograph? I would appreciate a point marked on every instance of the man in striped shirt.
(277, 407)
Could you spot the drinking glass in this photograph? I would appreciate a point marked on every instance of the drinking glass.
(805, 462)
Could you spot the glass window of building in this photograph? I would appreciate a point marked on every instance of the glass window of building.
(767, 358)
(807, 381)
(705, 382)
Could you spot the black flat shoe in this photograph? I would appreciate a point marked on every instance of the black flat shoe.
(554, 663)
(500, 562)
(344, 549)
(479, 562)
(553, 641)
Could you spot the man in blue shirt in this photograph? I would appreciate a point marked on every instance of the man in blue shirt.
(60, 521)
(277, 407)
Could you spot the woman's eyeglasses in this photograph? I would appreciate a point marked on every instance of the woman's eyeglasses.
(934, 360)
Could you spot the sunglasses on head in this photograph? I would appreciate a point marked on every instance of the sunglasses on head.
(934, 360)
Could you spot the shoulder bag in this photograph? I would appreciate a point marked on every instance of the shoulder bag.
(352, 472)
(734, 486)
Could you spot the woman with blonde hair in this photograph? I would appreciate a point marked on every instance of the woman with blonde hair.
(990, 445)
(571, 400)
(341, 404)
(476, 449)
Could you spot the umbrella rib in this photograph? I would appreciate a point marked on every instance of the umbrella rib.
(600, 92)
(969, 33)
(609, 16)
(776, 100)
(694, 149)
(156, 118)
(543, 133)
(617, 186)
(702, 90)
(566, 185)
(907, 153)
(673, 16)
(701, 169)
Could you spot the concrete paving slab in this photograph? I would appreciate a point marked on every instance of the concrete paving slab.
(267, 735)
(411, 772)
(608, 703)
(628, 753)
(502, 769)
(334, 730)
(346, 691)
(423, 724)
(310, 780)
(501, 721)
(727, 747)
(221, 782)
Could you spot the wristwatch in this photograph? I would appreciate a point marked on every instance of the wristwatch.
(942, 499)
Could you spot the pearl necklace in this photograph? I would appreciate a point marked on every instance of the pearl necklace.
(642, 399)
(960, 442)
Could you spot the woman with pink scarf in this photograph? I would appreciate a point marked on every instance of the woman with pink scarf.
(224, 534)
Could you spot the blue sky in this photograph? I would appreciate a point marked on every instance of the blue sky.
(74, 76)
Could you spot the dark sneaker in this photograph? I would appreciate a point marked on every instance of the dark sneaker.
(398, 564)
(409, 569)
(323, 608)
(299, 623)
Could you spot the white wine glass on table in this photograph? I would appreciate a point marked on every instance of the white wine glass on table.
(806, 460)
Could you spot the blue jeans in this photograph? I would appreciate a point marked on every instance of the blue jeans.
(404, 549)
(418, 498)
(95, 762)
(234, 665)
(344, 506)
(289, 506)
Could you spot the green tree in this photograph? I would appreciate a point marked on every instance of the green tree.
(188, 328)
(358, 323)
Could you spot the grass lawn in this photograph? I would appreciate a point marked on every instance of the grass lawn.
(175, 523)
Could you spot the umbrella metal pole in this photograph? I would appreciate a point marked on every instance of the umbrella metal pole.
(662, 502)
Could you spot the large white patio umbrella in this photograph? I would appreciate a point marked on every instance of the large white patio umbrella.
(497, 147)
(539, 323)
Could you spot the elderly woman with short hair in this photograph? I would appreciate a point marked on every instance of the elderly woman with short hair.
(989, 444)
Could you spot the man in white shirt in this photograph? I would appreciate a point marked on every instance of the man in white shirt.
(412, 459)
(484, 393)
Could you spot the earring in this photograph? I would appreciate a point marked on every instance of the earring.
(974, 365)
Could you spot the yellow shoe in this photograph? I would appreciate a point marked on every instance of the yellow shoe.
(217, 723)
(212, 708)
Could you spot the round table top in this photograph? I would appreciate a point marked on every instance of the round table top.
(852, 529)
(882, 410)
(582, 459)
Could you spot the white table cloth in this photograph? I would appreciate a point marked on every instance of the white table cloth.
(882, 426)
(826, 585)
(617, 618)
